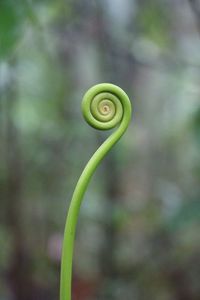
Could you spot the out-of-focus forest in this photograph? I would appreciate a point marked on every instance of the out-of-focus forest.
(138, 232)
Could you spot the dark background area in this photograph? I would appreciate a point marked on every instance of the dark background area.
(138, 232)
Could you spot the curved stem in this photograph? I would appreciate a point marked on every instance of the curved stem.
(71, 222)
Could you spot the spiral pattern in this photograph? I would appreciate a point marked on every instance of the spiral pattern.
(103, 106)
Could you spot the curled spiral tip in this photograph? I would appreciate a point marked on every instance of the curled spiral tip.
(104, 106)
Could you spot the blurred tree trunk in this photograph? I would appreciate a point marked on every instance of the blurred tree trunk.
(19, 275)
(195, 7)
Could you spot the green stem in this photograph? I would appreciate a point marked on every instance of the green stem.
(104, 106)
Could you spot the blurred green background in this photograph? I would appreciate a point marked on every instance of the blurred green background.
(138, 232)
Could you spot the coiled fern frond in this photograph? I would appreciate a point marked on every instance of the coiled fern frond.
(104, 107)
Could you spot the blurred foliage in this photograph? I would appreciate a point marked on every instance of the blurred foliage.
(153, 18)
(138, 233)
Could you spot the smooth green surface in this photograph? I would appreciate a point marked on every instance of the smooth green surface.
(104, 106)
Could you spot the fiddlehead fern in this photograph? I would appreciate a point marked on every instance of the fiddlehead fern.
(104, 106)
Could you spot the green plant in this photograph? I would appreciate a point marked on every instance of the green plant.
(104, 106)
